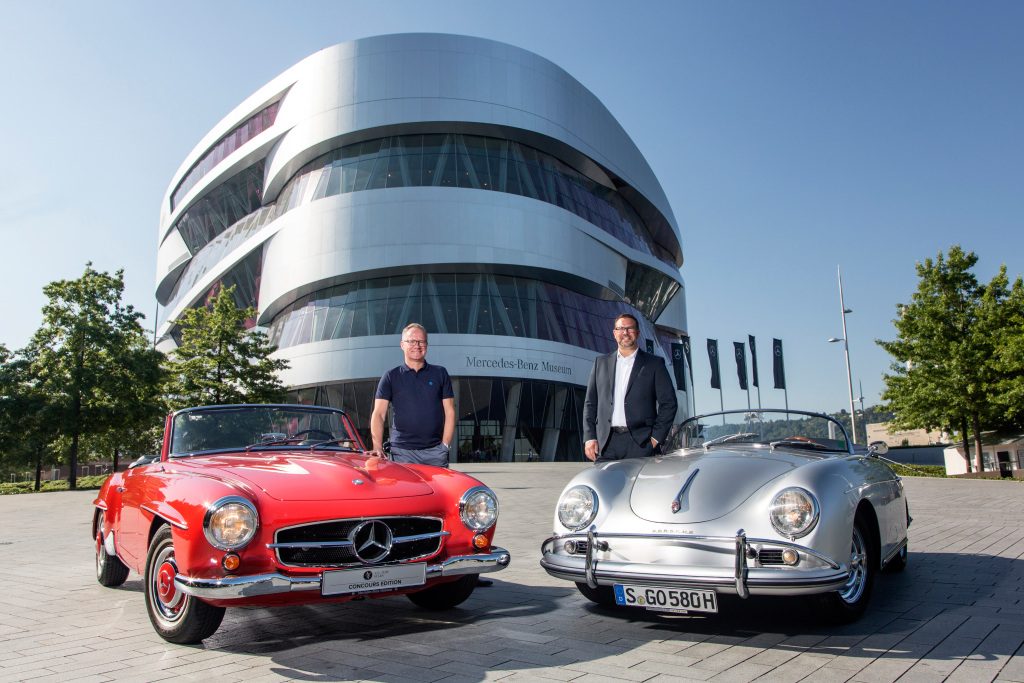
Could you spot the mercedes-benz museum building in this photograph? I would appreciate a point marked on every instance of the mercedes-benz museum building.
(461, 183)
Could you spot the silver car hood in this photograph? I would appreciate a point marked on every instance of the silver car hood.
(707, 485)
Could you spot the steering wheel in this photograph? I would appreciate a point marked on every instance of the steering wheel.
(327, 436)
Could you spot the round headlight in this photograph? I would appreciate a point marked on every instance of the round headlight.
(478, 508)
(793, 512)
(578, 507)
(230, 523)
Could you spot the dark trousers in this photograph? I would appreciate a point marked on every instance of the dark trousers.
(621, 445)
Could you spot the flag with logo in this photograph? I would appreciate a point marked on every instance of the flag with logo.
(689, 358)
(679, 366)
(741, 363)
(753, 360)
(777, 365)
(716, 379)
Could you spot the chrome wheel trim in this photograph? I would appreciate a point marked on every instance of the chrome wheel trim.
(168, 603)
(101, 553)
(855, 584)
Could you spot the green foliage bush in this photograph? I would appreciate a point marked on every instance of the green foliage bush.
(91, 482)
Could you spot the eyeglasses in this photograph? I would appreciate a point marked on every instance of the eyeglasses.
(414, 342)
(624, 329)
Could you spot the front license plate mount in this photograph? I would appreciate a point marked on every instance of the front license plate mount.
(373, 579)
(665, 599)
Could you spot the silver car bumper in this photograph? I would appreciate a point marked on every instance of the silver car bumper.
(741, 580)
(237, 587)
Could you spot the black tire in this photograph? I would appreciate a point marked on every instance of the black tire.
(177, 617)
(849, 603)
(899, 562)
(602, 595)
(446, 595)
(110, 570)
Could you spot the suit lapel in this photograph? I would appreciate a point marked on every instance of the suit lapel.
(638, 366)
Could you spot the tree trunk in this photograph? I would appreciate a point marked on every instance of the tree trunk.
(976, 423)
(117, 454)
(39, 467)
(963, 435)
(73, 462)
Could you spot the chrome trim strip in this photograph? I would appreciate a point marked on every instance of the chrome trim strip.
(239, 587)
(696, 537)
(179, 525)
(347, 544)
(677, 502)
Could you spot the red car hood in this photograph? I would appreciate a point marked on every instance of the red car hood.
(293, 477)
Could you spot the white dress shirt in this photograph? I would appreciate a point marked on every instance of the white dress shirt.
(623, 366)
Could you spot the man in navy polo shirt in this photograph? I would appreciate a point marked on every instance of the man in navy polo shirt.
(423, 405)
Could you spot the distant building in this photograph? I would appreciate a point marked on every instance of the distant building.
(1002, 453)
(907, 437)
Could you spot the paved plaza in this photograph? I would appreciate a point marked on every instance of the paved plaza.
(955, 614)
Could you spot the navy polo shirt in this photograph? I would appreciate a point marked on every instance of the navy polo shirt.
(417, 415)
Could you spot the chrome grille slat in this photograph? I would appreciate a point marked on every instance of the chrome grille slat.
(326, 544)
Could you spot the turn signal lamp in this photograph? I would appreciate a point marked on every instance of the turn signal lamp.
(230, 562)
(480, 542)
(790, 556)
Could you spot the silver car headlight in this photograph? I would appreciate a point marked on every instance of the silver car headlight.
(577, 508)
(794, 512)
(230, 523)
(478, 508)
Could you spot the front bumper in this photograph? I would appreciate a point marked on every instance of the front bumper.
(239, 587)
(741, 579)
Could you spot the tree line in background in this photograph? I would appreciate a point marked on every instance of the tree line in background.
(958, 358)
(90, 382)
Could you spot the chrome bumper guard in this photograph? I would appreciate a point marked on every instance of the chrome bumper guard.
(740, 579)
(237, 587)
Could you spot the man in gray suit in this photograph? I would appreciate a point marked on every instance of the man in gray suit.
(630, 402)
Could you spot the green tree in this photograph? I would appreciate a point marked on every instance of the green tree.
(220, 361)
(1008, 358)
(91, 359)
(943, 376)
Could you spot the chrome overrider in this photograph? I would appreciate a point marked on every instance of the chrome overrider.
(235, 587)
(739, 581)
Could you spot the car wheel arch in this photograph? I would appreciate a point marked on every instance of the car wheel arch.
(867, 513)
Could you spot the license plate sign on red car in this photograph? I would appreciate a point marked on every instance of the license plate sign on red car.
(373, 579)
(666, 599)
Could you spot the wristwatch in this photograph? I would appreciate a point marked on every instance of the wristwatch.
(446, 446)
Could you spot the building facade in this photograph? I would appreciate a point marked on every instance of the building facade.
(461, 183)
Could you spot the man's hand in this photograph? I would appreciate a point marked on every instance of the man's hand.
(590, 450)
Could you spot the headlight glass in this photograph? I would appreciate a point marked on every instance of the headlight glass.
(794, 512)
(479, 508)
(230, 523)
(578, 507)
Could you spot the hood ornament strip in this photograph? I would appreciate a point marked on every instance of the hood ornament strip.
(677, 503)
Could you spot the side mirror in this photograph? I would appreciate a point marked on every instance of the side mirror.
(878, 448)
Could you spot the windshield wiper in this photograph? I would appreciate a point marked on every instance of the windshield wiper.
(800, 443)
(729, 437)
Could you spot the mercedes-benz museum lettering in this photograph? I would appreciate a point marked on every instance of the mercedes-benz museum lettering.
(457, 182)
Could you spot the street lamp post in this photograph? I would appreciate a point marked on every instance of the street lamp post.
(846, 349)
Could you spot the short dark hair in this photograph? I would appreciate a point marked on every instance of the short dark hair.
(630, 316)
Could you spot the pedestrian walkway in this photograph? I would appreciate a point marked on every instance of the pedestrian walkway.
(955, 614)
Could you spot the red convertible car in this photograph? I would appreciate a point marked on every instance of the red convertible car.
(261, 505)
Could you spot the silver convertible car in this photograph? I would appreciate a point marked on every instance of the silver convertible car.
(766, 502)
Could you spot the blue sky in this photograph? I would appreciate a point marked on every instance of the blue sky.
(790, 138)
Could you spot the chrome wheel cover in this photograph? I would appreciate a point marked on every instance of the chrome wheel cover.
(855, 584)
(168, 603)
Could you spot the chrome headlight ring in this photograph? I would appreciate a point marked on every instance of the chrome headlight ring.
(794, 512)
(230, 523)
(577, 507)
(478, 508)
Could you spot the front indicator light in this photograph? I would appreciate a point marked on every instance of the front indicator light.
(230, 562)
(480, 542)
(790, 556)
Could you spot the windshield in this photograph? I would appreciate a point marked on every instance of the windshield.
(773, 428)
(249, 427)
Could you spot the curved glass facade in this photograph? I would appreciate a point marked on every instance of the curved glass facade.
(482, 163)
(497, 419)
(460, 303)
(238, 136)
(234, 199)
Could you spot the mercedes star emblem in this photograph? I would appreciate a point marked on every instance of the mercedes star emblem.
(371, 541)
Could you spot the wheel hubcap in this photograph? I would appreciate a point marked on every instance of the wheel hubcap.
(168, 601)
(854, 587)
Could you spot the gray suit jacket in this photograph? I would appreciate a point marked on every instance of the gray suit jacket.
(650, 400)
